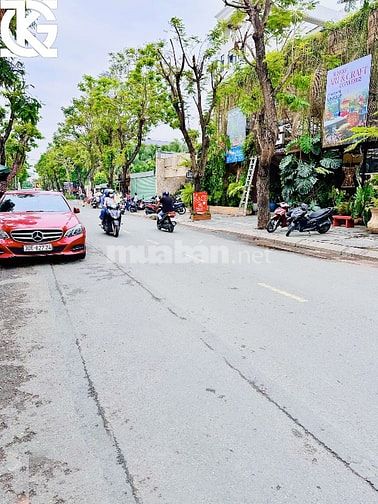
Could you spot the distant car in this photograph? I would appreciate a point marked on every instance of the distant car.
(39, 223)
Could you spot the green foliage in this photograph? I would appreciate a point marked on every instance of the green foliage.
(100, 178)
(215, 170)
(19, 116)
(192, 73)
(362, 134)
(362, 201)
(234, 192)
(104, 128)
(302, 175)
(187, 194)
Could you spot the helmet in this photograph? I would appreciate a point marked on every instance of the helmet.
(111, 193)
(165, 193)
(106, 192)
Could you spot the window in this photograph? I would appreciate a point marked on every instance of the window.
(33, 203)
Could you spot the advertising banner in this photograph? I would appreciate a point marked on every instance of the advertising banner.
(347, 100)
(237, 131)
(200, 203)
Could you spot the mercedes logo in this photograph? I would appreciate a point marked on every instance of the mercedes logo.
(37, 236)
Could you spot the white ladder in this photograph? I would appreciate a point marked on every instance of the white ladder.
(248, 184)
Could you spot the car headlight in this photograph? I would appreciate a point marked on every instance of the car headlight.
(75, 231)
(3, 235)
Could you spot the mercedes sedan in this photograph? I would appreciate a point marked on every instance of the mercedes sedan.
(39, 223)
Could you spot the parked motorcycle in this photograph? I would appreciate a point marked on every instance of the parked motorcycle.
(112, 220)
(166, 223)
(151, 208)
(179, 207)
(133, 207)
(300, 219)
(140, 205)
(279, 218)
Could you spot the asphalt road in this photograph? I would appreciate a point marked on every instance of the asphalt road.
(187, 368)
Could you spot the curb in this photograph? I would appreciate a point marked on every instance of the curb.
(321, 251)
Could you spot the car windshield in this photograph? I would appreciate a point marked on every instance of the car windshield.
(33, 203)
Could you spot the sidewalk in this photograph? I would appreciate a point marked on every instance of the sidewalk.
(339, 242)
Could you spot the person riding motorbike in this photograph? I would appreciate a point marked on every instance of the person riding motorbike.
(166, 202)
(109, 199)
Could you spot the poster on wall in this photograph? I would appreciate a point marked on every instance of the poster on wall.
(237, 132)
(347, 99)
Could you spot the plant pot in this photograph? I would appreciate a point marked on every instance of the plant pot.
(372, 225)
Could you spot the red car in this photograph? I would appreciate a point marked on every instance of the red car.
(39, 223)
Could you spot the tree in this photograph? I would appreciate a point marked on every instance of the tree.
(258, 22)
(19, 107)
(22, 141)
(51, 171)
(138, 102)
(18, 125)
(79, 130)
(193, 75)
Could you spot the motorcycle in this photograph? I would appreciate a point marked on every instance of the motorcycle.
(179, 207)
(122, 206)
(279, 218)
(140, 205)
(112, 220)
(300, 219)
(95, 202)
(166, 223)
(151, 208)
(133, 207)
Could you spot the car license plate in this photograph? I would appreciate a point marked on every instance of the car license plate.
(38, 248)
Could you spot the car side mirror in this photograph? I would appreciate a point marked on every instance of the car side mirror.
(76, 210)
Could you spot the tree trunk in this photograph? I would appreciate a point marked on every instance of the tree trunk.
(124, 186)
(267, 151)
(111, 177)
(263, 180)
(197, 182)
(2, 152)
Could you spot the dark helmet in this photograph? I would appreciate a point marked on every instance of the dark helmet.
(165, 193)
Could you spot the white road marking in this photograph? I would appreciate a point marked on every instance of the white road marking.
(153, 242)
(283, 293)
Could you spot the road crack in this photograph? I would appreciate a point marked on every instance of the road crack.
(139, 283)
(261, 391)
(120, 457)
(108, 428)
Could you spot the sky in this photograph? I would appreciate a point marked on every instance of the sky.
(88, 30)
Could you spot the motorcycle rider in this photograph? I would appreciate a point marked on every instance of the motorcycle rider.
(166, 202)
(109, 199)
